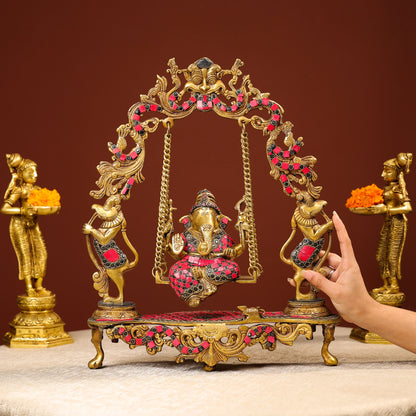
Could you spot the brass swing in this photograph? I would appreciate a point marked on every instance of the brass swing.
(247, 215)
(213, 336)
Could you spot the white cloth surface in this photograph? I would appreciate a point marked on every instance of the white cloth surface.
(290, 381)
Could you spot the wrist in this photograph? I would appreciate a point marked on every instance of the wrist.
(367, 313)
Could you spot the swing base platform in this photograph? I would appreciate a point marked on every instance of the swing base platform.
(210, 337)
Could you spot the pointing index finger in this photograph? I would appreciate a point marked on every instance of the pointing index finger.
(345, 245)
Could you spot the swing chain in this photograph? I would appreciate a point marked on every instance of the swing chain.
(255, 268)
(160, 267)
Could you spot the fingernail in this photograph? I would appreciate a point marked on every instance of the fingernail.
(335, 213)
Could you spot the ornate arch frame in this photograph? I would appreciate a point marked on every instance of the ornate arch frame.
(205, 89)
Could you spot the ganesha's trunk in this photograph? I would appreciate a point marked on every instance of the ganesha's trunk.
(205, 246)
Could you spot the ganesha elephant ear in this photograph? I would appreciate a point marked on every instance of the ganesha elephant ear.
(186, 221)
(223, 221)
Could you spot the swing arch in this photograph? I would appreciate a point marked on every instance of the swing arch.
(205, 90)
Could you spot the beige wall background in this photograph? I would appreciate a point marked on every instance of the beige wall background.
(343, 71)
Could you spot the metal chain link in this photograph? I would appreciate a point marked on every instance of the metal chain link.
(160, 268)
(255, 268)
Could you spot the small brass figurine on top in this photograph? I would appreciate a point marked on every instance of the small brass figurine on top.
(36, 325)
(205, 251)
(395, 206)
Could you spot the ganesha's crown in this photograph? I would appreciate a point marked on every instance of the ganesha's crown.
(205, 199)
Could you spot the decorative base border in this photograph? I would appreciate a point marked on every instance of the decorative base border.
(213, 340)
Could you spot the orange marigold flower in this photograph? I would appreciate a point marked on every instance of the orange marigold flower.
(365, 197)
(44, 198)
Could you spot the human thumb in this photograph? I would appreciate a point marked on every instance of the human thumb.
(318, 280)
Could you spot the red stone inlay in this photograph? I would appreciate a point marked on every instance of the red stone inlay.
(136, 117)
(274, 107)
(142, 108)
(285, 165)
(305, 252)
(270, 127)
(111, 255)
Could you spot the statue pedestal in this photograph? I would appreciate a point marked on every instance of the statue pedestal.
(37, 325)
(307, 308)
(368, 337)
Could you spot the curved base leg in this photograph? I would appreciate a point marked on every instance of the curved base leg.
(96, 339)
(328, 333)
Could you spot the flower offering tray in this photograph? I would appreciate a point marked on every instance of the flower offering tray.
(208, 337)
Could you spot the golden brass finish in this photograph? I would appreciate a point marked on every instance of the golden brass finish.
(367, 337)
(304, 220)
(37, 325)
(213, 342)
(307, 308)
(114, 261)
(204, 251)
(204, 86)
(114, 312)
(392, 237)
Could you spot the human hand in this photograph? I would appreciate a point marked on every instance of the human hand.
(346, 286)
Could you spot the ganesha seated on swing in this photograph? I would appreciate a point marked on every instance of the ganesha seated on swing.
(205, 252)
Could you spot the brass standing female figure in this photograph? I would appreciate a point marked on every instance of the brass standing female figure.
(25, 234)
(393, 234)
